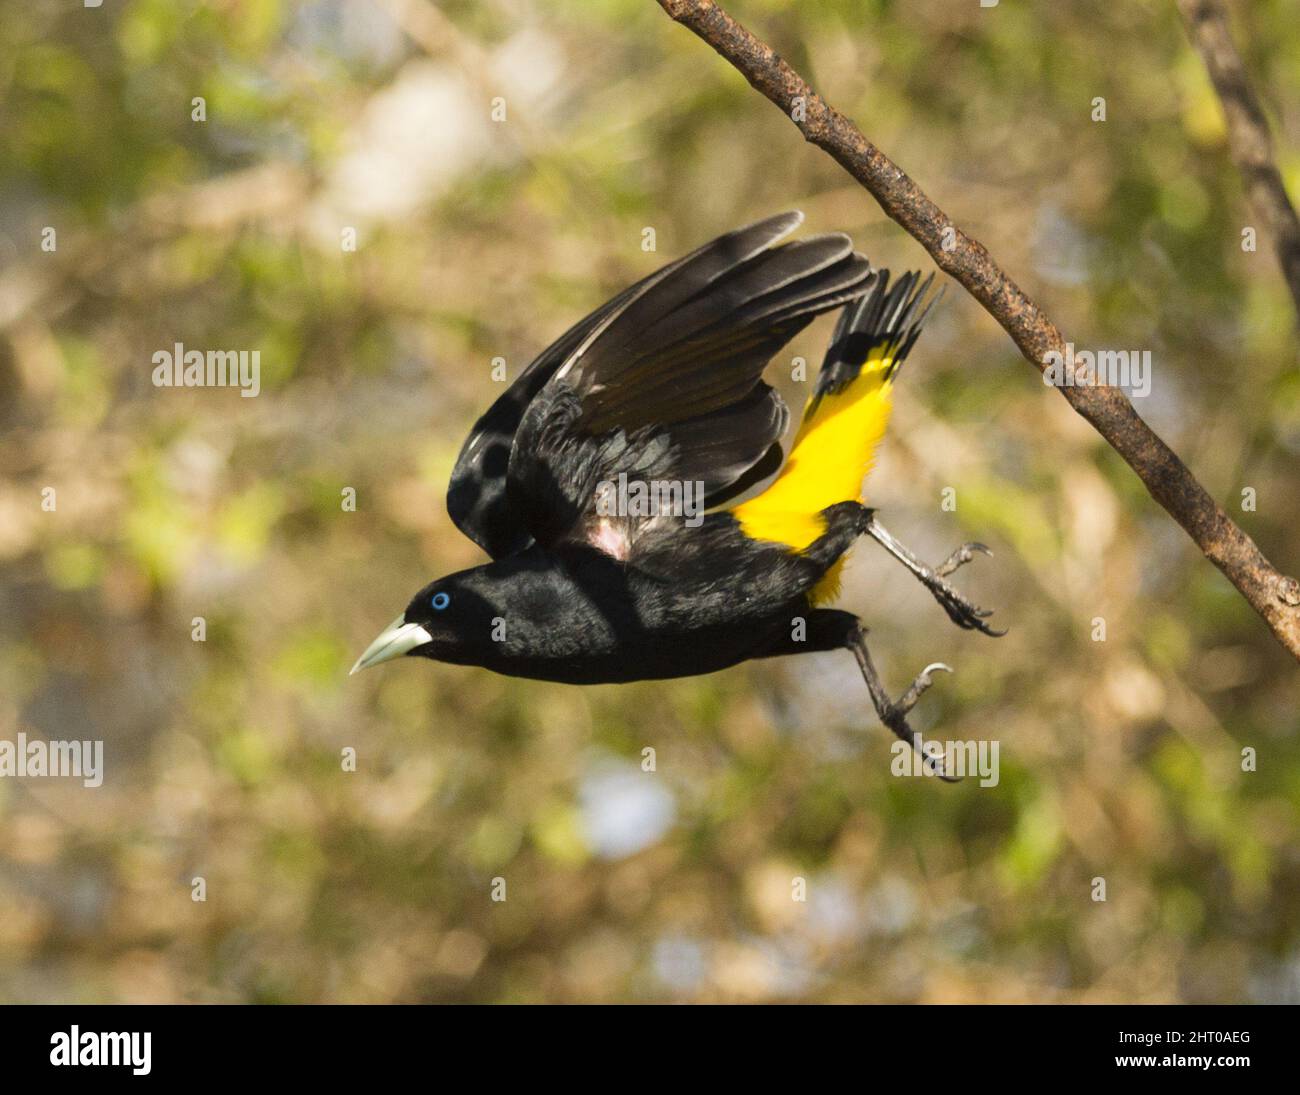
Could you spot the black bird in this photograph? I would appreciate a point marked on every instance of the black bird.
(587, 481)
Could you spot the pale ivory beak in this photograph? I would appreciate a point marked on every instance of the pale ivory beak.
(396, 639)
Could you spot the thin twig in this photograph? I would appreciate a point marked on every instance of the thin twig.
(1274, 596)
(1248, 136)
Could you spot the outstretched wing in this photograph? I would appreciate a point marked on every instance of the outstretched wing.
(477, 497)
(666, 392)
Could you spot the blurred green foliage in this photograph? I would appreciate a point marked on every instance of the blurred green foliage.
(1120, 759)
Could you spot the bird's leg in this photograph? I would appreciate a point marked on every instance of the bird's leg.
(963, 612)
(893, 713)
(845, 523)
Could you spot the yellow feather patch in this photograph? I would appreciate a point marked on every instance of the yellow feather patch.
(832, 454)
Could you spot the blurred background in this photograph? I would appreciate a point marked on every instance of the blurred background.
(481, 238)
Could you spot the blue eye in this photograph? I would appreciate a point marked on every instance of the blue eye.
(440, 601)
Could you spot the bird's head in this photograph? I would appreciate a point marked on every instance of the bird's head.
(448, 620)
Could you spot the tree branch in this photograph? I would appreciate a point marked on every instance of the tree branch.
(1248, 137)
(1274, 596)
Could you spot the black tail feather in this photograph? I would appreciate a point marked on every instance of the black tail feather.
(886, 316)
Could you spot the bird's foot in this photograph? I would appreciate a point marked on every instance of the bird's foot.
(962, 611)
(893, 713)
(961, 557)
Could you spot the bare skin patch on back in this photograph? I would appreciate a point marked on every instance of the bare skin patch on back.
(611, 539)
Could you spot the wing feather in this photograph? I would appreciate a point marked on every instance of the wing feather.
(669, 389)
(477, 496)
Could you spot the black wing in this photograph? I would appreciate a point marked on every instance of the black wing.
(668, 390)
(477, 497)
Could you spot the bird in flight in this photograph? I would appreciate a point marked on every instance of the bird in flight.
(604, 481)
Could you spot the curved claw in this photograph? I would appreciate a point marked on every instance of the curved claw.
(965, 614)
(961, 557)
(932, 762)
(923, 681)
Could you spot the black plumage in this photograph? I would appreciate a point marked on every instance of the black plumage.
(661, 384)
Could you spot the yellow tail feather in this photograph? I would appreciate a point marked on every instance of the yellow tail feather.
(833, 452)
